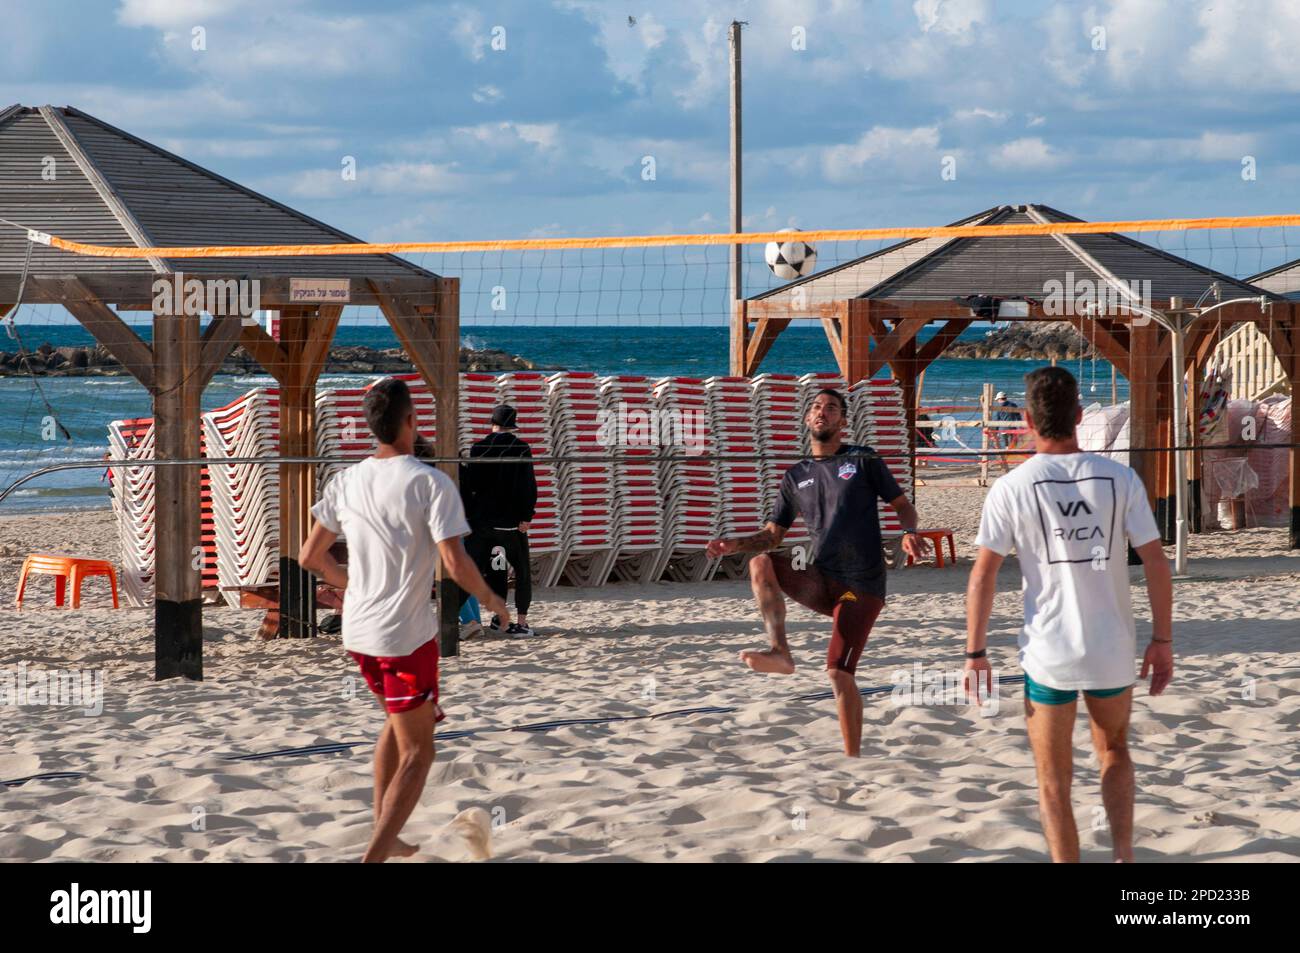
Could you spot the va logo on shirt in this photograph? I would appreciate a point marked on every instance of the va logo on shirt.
(848, 471)
(1076, 517)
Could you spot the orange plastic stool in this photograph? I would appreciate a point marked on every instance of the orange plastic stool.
(65, 569)
(937, 536)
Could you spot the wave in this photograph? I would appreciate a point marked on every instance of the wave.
(58, 454)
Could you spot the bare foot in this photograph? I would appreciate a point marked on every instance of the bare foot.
(402, 849)
(773, 661)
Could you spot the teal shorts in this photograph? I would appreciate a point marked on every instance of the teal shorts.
(1043, 695)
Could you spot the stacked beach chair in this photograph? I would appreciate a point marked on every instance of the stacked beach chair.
(246, 497)
(776, 405)
(741, 480)
(629, 432)
(879, 420)
(529, 393)
(689, 484)
(588, 491)
(133, 504)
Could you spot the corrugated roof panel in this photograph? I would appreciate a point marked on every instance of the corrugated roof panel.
(66, 204)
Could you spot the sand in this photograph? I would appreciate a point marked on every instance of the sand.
(1217, 755)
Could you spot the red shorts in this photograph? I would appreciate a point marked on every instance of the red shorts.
(853, 612)
(404, 682)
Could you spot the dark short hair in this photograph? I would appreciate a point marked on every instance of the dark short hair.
(1052, 399)
(831, 391)
(386, 406)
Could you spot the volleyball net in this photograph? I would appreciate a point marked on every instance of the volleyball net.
(653, 428)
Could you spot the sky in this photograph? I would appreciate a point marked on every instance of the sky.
(538, 119)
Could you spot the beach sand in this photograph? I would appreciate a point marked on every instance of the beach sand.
(1218, 763)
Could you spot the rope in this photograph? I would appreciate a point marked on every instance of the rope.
(660, 241)
(11, 327)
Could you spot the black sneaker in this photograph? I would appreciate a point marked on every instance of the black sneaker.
(520, 631)
(495, 624)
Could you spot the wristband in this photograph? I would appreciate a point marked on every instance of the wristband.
(1163, 641)
(980, 654)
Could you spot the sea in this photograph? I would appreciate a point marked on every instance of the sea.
(50, 420)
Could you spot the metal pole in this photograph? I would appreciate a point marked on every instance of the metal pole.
(734, 35)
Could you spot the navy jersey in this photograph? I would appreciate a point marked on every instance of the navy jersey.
(836, 496)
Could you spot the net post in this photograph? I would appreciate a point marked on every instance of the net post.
(447, 442)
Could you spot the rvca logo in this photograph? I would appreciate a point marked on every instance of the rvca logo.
(809, 482)
(1076, 517)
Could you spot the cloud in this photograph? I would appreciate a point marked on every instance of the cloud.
(879, 148)
(1030, 153)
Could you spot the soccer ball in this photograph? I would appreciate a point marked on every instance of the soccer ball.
(790, 259)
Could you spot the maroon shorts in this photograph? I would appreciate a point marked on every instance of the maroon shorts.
(853, 612)
(404, 682)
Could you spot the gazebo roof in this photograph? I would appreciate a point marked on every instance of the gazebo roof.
(1283, 280)
(72, 175)
(939, 269)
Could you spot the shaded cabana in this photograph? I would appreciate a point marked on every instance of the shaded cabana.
(1153, 310)
(66, 173)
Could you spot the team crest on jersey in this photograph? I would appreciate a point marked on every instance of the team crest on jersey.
(848, 471)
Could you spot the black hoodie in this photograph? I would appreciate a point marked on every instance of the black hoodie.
(499, 495)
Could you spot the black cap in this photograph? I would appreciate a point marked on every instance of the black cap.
(504, 417)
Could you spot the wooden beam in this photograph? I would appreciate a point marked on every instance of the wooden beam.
(108, 329)
(266, 351)
(951, 331)
(761, 341)
(1108, 345)
(219, 338)
(739, 342)
(416, 332)
(887, 350)
(178, 581)
(320, 335)
(136, 292)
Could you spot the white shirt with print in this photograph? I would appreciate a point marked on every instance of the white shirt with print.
(1069, 516)
(393, 513)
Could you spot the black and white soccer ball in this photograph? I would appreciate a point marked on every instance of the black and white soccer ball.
(790, 259)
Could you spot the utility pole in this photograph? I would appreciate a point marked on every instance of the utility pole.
(737, 291)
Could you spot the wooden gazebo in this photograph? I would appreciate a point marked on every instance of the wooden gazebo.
(67, 173)
(874, 307)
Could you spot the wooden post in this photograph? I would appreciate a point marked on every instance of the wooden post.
(1292, 315)
(447, 442)
(178, 553)
(1145, 351)
(305, 336)
(856, 341)
(904, 367)
(433, 345)
(739, 338)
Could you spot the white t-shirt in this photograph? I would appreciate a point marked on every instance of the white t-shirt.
(1068, 516)
(393, 513)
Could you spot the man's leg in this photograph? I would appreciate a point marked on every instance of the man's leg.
(854, 615)
(517, 554)
(1050, 730)
(1109, 718)
(385, 768)
(412, 734)
(771, 604)
(848, 704)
